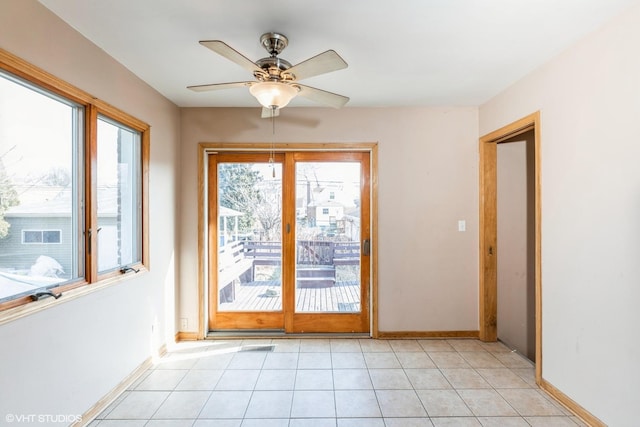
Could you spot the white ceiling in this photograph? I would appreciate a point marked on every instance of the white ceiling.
(400, 53)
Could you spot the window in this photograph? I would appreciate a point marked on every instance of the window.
(325, 211)
(41, 183)
(72, 186)
(119, 213)
(41, 236)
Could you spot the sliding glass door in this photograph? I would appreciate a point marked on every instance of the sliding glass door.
(331, 243)
(288, 238)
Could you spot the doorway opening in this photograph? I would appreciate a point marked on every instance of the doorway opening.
(489, 249)
(516, 240)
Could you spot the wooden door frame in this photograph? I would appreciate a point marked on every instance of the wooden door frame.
(203, 151)
(488, 291)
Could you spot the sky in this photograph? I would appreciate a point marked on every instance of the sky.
(325, 172)
(35, 132)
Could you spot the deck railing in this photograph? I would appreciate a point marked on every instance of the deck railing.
(316, 263)
(309, 252)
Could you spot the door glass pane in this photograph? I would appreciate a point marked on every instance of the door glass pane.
(328, 237)
(249, 237)
(40, 189)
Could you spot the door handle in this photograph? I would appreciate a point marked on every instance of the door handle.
(89, 239)
(366, 247)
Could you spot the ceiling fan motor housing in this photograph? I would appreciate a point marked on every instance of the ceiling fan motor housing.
(273, 67)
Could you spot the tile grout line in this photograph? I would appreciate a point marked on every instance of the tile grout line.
(403, 367)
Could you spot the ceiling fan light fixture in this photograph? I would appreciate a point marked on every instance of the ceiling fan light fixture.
(273, 94)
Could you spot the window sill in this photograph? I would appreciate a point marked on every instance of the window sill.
(30, 308)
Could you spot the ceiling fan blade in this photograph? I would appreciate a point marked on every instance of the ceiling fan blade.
(322, 96)
(223, 49)
(324, 62)
(267, 112)
(218, 86)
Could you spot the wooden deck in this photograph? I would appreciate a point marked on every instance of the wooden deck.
(267, 296)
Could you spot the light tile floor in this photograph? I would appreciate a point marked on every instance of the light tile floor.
(336, 383)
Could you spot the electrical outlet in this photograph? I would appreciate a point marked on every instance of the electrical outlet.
(184, 324)
(462, 225)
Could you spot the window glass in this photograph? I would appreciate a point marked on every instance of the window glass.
(50, 236)
(40, 189)
(41, 236)
(119, 195)
(30, 236)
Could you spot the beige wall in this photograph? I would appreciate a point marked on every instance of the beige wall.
(63, 359)
(428, 180)
(589, 100)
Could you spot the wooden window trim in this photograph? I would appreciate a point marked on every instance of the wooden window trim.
(89, 281)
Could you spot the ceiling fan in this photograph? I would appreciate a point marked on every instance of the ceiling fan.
(276, 80)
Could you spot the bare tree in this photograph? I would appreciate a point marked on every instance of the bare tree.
(8, 198)
(269, 210)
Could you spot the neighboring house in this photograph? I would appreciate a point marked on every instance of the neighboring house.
(42, 225)
(331, 210)
(325, 214)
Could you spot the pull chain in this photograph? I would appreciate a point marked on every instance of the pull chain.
(273, 137)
